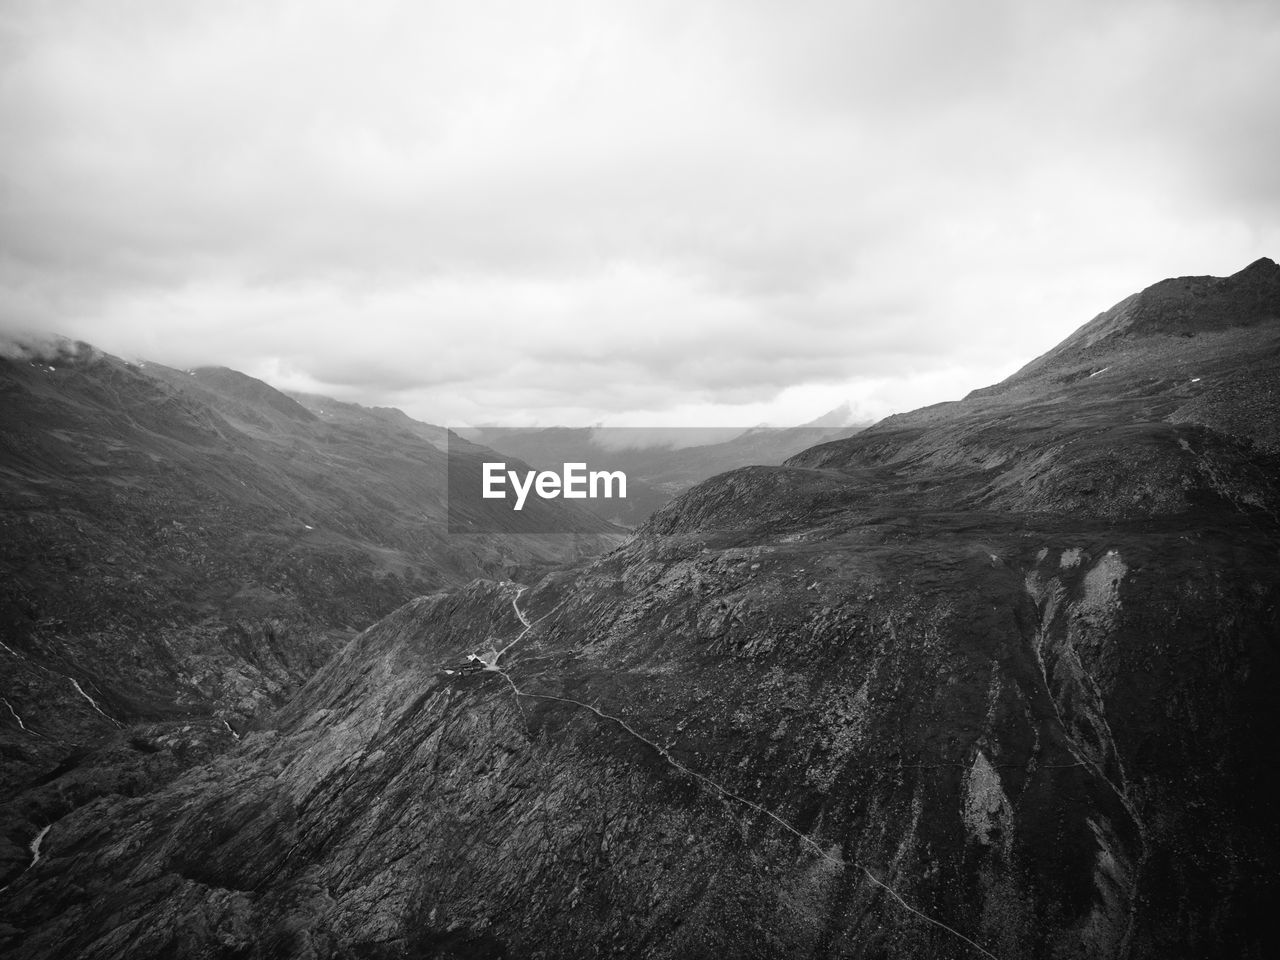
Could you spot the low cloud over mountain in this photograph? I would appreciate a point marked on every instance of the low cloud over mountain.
(716, 213)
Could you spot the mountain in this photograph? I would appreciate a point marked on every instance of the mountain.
(839, 416)
(994, 678)
(181, 550)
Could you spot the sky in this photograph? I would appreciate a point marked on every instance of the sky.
(668, 213)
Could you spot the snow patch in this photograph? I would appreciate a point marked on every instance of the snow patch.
(34, 847)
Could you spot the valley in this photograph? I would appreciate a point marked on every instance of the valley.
(993, 678)
(182, 550)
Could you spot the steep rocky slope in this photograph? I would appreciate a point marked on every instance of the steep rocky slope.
(180, 550)
(995, 678)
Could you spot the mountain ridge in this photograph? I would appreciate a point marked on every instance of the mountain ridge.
(1183, 306)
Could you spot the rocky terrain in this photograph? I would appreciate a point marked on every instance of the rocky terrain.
(991, 679)
(181, 550)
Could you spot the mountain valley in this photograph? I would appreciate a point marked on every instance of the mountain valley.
(182, 550)
(993, 678)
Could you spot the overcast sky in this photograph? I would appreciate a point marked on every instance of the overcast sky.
(642, 212)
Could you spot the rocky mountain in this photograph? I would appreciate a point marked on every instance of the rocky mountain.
(181, 550)
(991, 679)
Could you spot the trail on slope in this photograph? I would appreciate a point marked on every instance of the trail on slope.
(497, 654)
(719, 789)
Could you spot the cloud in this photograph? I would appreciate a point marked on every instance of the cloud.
(504, 211)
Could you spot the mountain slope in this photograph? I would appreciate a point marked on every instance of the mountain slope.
(994, 678)
(182, 549)
(1130, 417)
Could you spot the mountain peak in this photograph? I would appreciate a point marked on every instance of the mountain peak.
(840, 416)
(1179, 306)
(1262, 268)
(1191, 305)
